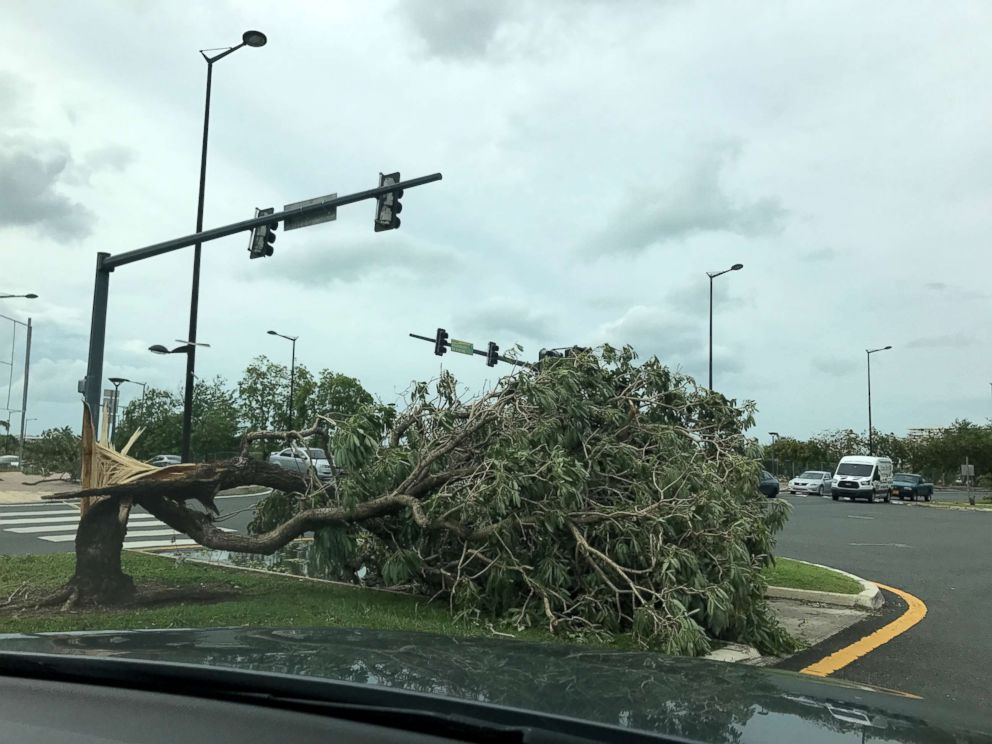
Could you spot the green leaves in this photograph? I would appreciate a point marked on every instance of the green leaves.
(592, 495)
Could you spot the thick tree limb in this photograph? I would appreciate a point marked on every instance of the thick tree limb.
(200, 483)
(200, 526)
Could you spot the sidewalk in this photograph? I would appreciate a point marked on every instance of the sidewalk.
(13, 490)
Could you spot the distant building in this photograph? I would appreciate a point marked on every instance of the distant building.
(927, 431)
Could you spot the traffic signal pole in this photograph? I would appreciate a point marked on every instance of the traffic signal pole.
(477, 352)
(106, 263)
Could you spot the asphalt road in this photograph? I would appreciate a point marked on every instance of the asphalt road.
(49, 527)
(939, 555)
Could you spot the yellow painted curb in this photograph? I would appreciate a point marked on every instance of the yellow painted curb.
(916, 611)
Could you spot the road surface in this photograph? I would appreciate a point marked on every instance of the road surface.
(937, 555)
(51, 527)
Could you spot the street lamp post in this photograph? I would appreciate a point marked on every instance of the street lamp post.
(871, 432)
(292, 374)
(27, 366)
(116, 382)
(713, 275)
(252, 39)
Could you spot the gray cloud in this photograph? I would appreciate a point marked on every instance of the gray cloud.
(677, 341)
(14, 94)
(697, 203)
(457, 29)
(958, 293)
(513, 318)
(937, 286)
(950, 340)
(821, 254)
(834, 366)
(112, 158)
(319, 266)
(30, 175)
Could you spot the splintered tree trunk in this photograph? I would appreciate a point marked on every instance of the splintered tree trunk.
(99, 579)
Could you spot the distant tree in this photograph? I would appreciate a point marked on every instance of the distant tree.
(55, 452)
(262, 393)
(339, 396)
(216, 413)
(159, 413)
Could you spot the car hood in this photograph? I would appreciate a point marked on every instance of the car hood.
(907, 484)
(692, 698)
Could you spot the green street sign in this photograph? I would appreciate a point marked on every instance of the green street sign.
(462, 347)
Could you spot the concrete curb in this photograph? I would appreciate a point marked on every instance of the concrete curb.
(870, 597)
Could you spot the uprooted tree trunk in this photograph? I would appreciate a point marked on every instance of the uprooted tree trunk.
(98, 578)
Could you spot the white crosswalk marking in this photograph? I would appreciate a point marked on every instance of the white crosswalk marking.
(54, 520)
(144, 530)
(46, 512)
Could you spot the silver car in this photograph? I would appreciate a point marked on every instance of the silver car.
(302, 459)
(161, 461)
(812, 481)
(10, 462)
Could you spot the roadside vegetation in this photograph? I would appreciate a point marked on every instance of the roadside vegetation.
(792, 574)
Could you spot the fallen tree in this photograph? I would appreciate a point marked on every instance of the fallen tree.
(590, 495)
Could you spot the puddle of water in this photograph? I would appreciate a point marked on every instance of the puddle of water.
(296, 559)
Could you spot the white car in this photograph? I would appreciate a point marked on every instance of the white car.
(812, 481)
(10, 462)
(302, 459)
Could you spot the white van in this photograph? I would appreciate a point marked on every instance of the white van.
(862, 478)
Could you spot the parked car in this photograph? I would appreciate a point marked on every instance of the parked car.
(812, 481)
(160, 461)
(911, 485)
(768, 484)
(302, 459)
(859, 477)
(10, 462)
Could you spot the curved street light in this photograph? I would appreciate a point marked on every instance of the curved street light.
(713, 275)
(28, 296)
(871, 433)
(292, 374)
(250, 38)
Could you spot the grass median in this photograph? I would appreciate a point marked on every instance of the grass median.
(238, 598)
(230, 597)
(792, 574)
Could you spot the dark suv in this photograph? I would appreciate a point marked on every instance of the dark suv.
(768, 484)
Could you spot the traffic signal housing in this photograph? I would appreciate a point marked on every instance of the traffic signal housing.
(263, 236)
(441, 342)
(387, 206)
(492, 354)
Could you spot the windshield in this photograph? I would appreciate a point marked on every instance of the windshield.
(475, 319)
(855, 469)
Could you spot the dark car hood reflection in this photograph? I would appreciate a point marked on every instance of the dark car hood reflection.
(697, 699)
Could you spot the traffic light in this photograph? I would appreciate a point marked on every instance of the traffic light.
(492, 354)
(263, 236)
(387, 206)
(440, 342)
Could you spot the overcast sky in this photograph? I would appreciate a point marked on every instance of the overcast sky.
(598, 158)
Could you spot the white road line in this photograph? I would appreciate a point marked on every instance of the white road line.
(880, 545)
(157, 543)
(858, 516)
(55, 520)
(42, 513)
(242, 495)
(73, 527)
